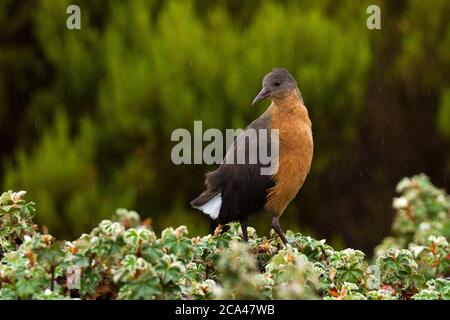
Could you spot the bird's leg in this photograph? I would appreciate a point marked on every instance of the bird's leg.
(276, 226)
(244, 230)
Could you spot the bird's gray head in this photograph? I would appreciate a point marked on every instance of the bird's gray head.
(276, 84)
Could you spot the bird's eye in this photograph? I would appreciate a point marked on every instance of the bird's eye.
(277, 83)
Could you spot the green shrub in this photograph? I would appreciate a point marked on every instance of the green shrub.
(123, 258)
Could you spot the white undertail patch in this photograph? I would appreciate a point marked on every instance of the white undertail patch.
(212, 207)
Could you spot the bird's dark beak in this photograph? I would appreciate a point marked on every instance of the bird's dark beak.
(264, 93)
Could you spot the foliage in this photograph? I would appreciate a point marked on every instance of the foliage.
(16, 220)
(123, 258)
(422, 226)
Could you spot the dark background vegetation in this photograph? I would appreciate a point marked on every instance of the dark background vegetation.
(86, 116)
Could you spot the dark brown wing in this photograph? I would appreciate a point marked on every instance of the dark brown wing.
(243, 187)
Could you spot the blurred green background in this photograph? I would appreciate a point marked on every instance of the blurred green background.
(86, 115)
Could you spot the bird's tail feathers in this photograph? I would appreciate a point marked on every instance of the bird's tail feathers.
(209, 202)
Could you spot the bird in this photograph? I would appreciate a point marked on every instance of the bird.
(235, 191)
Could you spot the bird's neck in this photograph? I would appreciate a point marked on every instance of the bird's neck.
(290, 105)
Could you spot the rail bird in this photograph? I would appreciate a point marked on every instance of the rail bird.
(234, 191)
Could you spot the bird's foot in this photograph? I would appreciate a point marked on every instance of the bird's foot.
(218, 230)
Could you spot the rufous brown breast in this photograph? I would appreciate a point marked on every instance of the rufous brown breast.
(290, 116)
